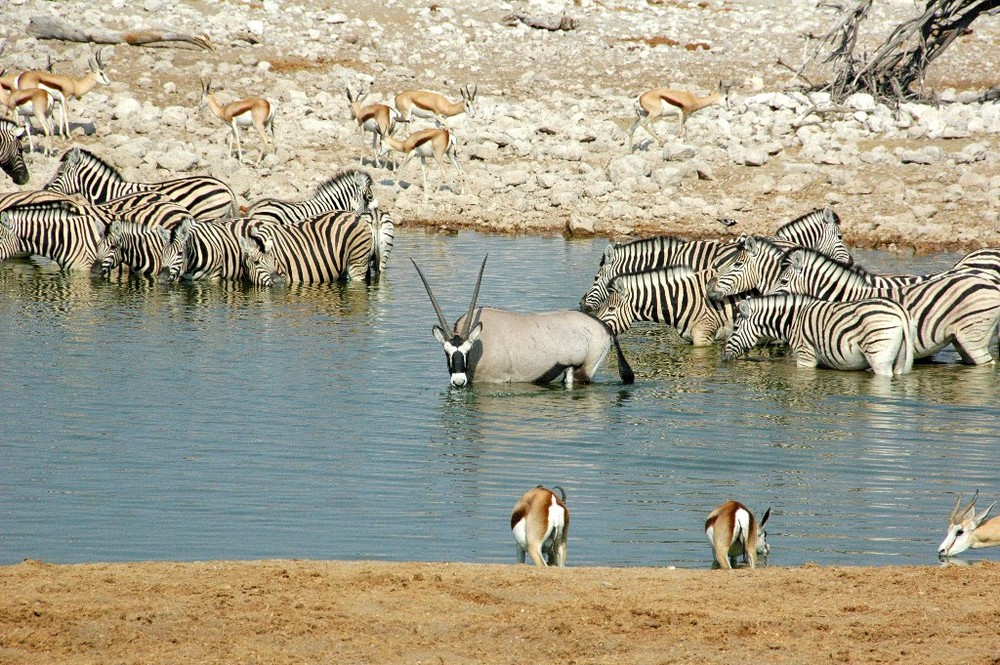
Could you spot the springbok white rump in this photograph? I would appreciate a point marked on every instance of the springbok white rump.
(732, 530)
(540, 524)
(966, 529)
(498, 346)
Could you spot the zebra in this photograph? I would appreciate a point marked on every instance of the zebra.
(214, 250)
(675, 297)
(854, 335)
(319, 250)
(12, 152)
(137, 246)
(757, 266)
(347, 190)
(819, 229)
(80, 171)
(648, 254)
(960, 307)
(70, 241)
(383, 237)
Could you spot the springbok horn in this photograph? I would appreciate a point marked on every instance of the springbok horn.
(437, 308)
(475, 295)
(957, 512)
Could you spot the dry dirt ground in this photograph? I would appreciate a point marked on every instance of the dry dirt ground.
(364, 612)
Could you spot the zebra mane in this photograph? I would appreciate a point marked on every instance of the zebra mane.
(817, 216)
(330, 185)
(769, 245)
(812, 257)
(87, 156)
(639, 243)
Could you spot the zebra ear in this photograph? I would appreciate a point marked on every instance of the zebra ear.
(797, 260)
(5, 221)
(609, 252)
(751, 245)
(183, 231)
(163, 233)
(247, 245)
(744, 307)
(114, 228)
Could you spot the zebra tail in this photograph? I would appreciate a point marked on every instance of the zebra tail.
(904, 359)
(624, 369)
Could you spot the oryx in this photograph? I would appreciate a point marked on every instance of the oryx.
(497, 346)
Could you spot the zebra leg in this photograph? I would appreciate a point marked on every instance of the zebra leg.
(974, 352)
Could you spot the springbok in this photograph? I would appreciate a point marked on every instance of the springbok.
(436, 142)
(27, 103)
(378, 119)
(64, 88)
(966, 529)
(540, 524)
(732, 530)
(432, 105)
(498, 346)
(252, 111)
(660, 102)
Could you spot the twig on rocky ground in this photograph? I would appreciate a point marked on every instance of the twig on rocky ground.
(47, 27)
(553, 23)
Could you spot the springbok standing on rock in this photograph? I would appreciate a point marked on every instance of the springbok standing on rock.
(27, 103)
(498, 346)
(435, 142)
(378, 119)
(966, 529)
(660, 102)
(432, 105)
(540, 524)
(732, 530)
(64, 88)
(253, 111)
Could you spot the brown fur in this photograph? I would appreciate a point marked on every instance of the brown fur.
(533, 507)
(726, 541)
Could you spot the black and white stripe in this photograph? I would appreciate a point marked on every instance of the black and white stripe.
(819, 230)
(348, 190)
(12, 152)
(675, 297)
(70, 241)
(82, 172)
(648, 254)
(959, 307)
(875, 332)
(322, 249)
(214, 250)
(137, 246)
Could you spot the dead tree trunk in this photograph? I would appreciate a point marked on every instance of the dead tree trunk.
(47, 27)
(897, 69)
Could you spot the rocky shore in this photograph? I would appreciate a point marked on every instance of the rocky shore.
(548, 150)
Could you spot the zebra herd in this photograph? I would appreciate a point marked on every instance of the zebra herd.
(800, 287)
(89, 217)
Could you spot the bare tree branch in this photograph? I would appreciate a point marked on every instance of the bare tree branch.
(47, 27)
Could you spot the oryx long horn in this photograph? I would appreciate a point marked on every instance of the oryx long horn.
(437, 308)
(475, 295)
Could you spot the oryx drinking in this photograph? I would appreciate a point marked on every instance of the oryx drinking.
(490, 345)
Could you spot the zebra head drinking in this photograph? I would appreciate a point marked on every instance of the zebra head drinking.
(12, 152)
(875, 333)
(137, 246)
(490, 345)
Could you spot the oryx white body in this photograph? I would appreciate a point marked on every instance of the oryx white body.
(490, 345)
(434, 106)
(661, 102)
(243, 113)
(63, 88)
(966, 529)
(377, 119)
(540, 524)
(733, 530)
(435, 142)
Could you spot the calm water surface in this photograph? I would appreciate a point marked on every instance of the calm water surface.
(207, 421)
